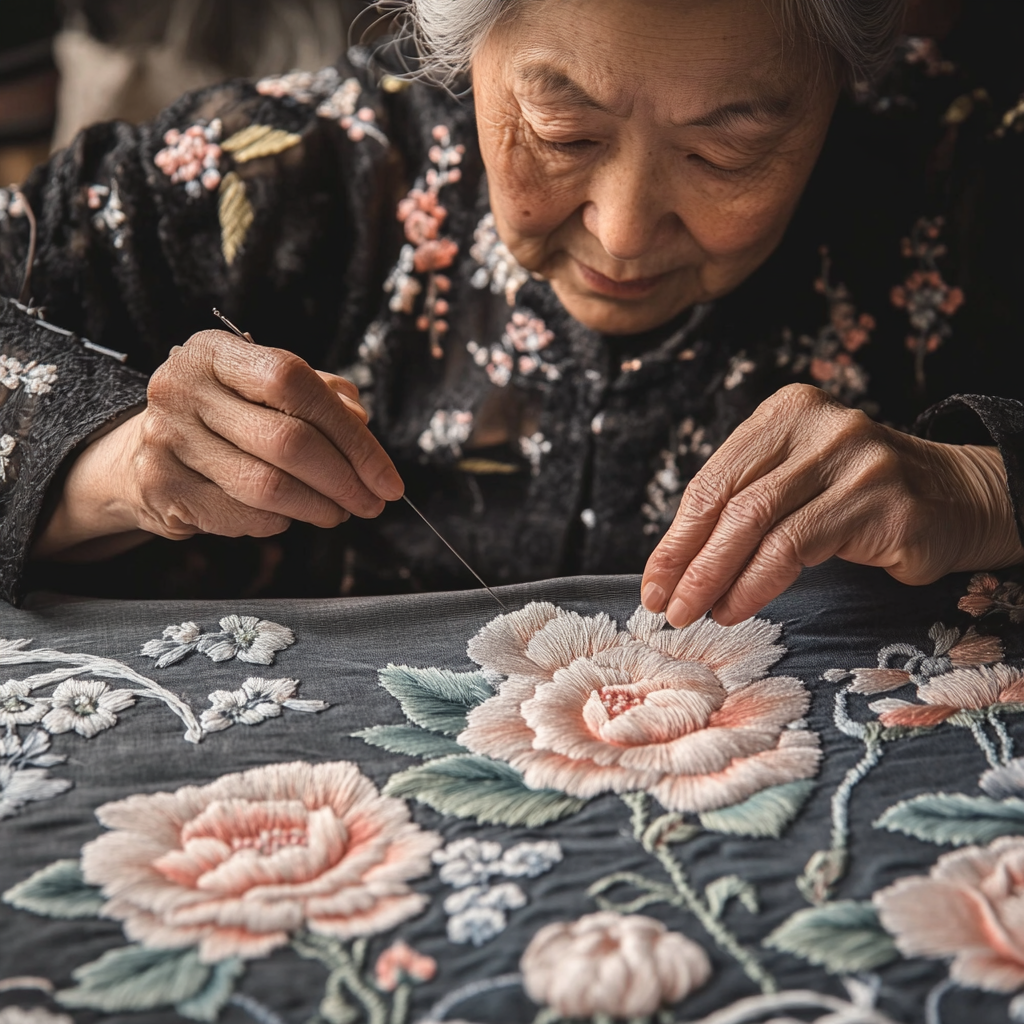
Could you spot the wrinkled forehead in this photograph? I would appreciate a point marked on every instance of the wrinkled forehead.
(676, 55)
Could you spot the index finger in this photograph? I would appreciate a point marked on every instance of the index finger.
(284, 381)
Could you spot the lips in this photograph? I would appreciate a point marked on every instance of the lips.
(632, 288)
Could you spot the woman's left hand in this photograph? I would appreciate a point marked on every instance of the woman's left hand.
(806, 478)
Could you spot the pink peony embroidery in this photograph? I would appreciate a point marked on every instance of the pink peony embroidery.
(610, 965)
(237, 866)
(400, 962)
(963, 689)
(985, 594)
(684, 714)
(966, 908)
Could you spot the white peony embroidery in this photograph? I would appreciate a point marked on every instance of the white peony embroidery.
(244, 637)
(36, 377)
(87, 706)
(257, 700)
(477, 910)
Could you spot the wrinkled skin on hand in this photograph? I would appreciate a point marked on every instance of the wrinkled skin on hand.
(236, 439)
(805, 479)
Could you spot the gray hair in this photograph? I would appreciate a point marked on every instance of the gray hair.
(858, 36)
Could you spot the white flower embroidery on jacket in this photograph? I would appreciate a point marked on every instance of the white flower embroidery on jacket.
(449, 430)
(109, 215)
(25, 771)
(11, 204)
(499, 270)
(477, 910)
(37, 377)
(7, 446)
(257, 700)
(18, 707)
(244, 637)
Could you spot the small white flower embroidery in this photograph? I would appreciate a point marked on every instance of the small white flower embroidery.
(24, 771)
(302, 86)
(257, 700)
(534, 448)
(401, 284)
(739, 367)
(109, 215)
(11, 204)
(447, 430)
(17, 707)
(525, 338)
(245, 637)
(87, 706)
(37, 377)
(478, 910)
(7, 446)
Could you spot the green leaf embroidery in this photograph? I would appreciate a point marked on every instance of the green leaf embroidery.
(58, 890)
(844, 937)
(764, 814)
(133, 978)
(729, 887)
(436, 698)
(207, 1003)
(410, 740)
(955, 818)
(490, 792)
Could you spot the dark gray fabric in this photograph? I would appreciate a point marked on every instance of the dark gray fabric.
(836, 616)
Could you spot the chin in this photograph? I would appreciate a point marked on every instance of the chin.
(611, 316)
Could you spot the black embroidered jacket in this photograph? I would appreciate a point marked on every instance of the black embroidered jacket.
(345, 217)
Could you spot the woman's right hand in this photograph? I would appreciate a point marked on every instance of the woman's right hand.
(236, 439)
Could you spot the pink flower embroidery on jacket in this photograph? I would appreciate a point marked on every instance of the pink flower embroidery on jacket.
(967, 908)
(987, 596)
(427, 251)
(192, 157)
(829, 356)
(928, 300)
(238, 865)
(686, 715)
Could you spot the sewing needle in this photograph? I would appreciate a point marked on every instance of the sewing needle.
(248, 337)
(405, 498)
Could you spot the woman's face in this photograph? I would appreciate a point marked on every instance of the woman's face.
(644, 155)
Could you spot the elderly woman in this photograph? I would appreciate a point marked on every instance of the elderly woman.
(667, 287)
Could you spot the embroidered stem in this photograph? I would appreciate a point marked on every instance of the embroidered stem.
(1005, 740)
(933, 1001)
(985, 744)
(470, 990)
(255, 1009)
(873, 750)
(691, 901)
(756, 1007)
(400, 1003)
(344, 971)
(101, 667)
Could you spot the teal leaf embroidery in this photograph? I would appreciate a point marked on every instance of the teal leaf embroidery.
(132, 978)
(766, 813)
(436, 698)
(730, 887)
(843, 937)
(58, 890)
(207, 1003)
(410, 740)
(955, 818)
(490, 792)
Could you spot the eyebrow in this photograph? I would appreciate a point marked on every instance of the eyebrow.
(764, 107)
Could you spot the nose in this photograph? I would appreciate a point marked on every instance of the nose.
(629, 210)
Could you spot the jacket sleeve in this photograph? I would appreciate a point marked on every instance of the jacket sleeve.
(240, 196)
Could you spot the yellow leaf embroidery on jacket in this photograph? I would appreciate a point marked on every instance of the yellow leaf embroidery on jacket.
(236, 215)
(259, 140)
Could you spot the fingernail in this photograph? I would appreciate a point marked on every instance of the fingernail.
(678, 613)
(653, 597)
(389, 485)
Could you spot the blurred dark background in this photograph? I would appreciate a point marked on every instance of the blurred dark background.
(68, 63)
